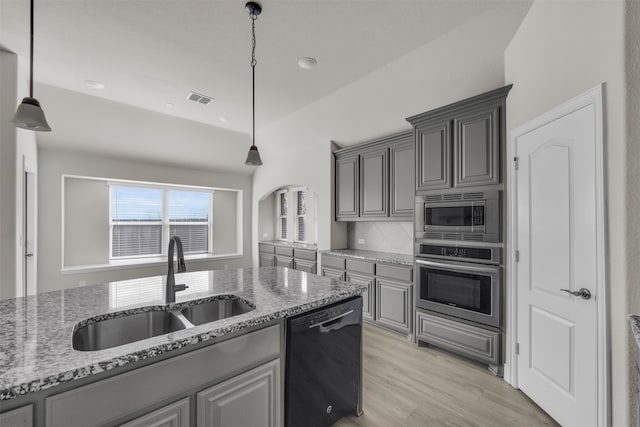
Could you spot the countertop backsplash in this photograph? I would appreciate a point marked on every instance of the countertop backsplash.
(381, 236)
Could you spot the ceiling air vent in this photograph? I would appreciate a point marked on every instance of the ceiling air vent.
(199, 98)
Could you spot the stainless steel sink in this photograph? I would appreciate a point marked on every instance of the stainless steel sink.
(215, 310)
(125, 329)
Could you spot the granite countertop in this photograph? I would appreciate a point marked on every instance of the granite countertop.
(36, 352)
(310, 246)
(375, 256)
(634, 321)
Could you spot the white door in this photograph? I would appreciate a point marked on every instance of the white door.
(558, 233)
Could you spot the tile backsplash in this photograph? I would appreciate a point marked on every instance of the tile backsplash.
(381, 236)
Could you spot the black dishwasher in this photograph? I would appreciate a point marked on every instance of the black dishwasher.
(323, 364)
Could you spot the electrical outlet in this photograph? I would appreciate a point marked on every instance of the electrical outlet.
(82, 283)
(361, 241)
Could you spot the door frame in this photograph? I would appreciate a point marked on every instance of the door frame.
(593, 97)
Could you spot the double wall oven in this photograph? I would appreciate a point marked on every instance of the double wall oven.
(458, 268)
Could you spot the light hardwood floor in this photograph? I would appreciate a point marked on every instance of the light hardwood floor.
(409, 386)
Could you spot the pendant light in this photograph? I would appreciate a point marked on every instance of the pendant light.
(254, 9)
(29, 115)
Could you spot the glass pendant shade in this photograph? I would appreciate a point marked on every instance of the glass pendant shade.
(30, 116)
(253, 158)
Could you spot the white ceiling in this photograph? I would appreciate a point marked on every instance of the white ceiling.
(151, 52)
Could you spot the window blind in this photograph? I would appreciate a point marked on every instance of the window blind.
(301, 216)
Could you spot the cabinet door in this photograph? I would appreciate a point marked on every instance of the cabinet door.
(173, 415)
(401, 183)
(394, 304)
(347, 187)
(477, 148)
(249, 399)
(368, 297)
(433, 145)
(284, 261)
(374, 187)
(21, 417)
(305, 265)
(266, 260)
(333, 273)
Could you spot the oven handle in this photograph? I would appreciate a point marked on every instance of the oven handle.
(472, 268)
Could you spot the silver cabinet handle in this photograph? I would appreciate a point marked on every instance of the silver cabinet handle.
(584, 293)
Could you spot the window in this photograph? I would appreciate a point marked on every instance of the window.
(282, 208)
(301, 216)
(295, 215)
(143, 219)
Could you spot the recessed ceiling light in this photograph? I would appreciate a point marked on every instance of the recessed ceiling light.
(169, 105)
(224, 119)
(307, 63)
(94, 84)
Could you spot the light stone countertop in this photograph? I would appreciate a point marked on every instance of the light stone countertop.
(309, 246)
(36, 352)
(375, 256)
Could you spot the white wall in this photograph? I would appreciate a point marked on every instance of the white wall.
(54, 164)
(561, 50)
(298, 148)
(8, 98)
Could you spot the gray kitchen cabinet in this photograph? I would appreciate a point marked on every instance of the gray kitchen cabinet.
(368, 297)
(433, 149)
(305, 265)
(347, 177)
(20, 417)
(249, 399)
(394, 304)
(173, 415)
(471, 341)
(333, 273)
(129, 396)
(378, 176)
(266, 255)
(374, 179)
(461, 145)
(476, 147)
(284, 261)
(402, 179)
(388, 300)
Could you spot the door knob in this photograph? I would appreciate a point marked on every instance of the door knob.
(584, 293)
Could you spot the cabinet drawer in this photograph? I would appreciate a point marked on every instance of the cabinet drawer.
(333, 273)
(333, 262)
(21, 417)
(284, 250)
(404, 274)
(305, 265)
(476, 343)
(365, 267)
(175, 414)
(307, 254)
(264, 247)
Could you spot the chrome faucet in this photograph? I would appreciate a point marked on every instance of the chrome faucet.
(172, 288)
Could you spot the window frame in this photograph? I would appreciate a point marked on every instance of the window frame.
(296, 223)
(280, 216)
(164, 222)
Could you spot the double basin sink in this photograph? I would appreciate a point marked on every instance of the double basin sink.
(128, 328)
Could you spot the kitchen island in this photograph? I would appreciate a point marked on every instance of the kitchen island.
(42, 372)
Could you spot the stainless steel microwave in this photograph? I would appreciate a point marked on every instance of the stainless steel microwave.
(468, 216)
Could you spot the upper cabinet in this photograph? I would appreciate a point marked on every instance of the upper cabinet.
(375, 180)
(461, 145)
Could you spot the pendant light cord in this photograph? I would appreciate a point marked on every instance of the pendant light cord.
(31, 55)
(253, 76)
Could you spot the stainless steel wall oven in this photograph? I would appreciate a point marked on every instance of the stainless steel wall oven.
(466, 291)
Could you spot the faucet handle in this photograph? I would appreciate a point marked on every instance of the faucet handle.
(180, 287)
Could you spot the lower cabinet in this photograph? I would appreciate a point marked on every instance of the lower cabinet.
(267, 259)
(21, 417)
(388, 300)
(222, 379)
(282, 255)
(394, 304)
(305, 265)
(173, 415)
(284, 261)
(249, 399)
(369, 296)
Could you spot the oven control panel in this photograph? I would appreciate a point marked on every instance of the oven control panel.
(480, 254)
